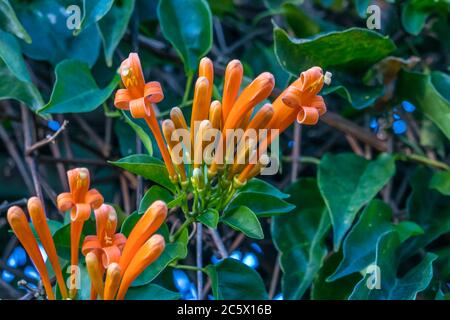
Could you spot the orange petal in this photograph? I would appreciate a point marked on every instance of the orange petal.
(122, 99)
(150, 221)
(81, 212)
(94, 198)
(119, 240)
(75, 233)
(311, 81)
(79, 182)
(215, 114)
(139, 108)
(64, 201)
(178, 118)
(95, 272)
(308, 116)
(318, 103)
(153, 92)
(132, 76)
(261, 118)
(206, 69)
(147, 253)
(90, 243)
(232, 83)
(112, 281)
(39, 220)
(19, 225)
(110, 254)
(200, 105)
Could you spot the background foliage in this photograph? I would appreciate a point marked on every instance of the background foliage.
(370, 184)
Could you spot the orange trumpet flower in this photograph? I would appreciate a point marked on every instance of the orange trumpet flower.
(200, 106)
(112, 281)
(19, 224)
(107, 244)
(95, 272)
(206, 69)
(80, 200)
(233, 78)
(178, 118)
(39, 220)
(147, 253)
(168, 127)
(139, 97)
(148, 224)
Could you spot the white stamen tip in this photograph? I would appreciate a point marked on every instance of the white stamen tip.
(125, 71)
(327, 78)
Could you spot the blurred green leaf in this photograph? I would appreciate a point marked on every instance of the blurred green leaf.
(301, 23)
(347, 182)
(413, 19)
(299, 237)
(53, 41)
(441, 182)
(358, 246)
(153, 194)
(245, 220)
(93, 11)
(10, 22)
(11, 55)
(61, 237)
(256, 185)
(233, 280)
(359, 96)
(151, 292)
(148, 167)
(419, 89)
(361, 7)
(113, 26)
(187, 24)
(210, 218)
(354, 49)
(391, 287)
(146, 140)
(262, 204)
(75, 89)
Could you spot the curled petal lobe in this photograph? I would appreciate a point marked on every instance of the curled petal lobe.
(308, 116)
(91, 244)
(147, 253)
(153, 92)
(81, 212)
(311, 81)
(64, 201)
(94, 198)
(122, 99)
(139, 108)
(109, 255)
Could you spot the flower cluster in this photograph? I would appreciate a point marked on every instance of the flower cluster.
(215, 165)
(112, 260)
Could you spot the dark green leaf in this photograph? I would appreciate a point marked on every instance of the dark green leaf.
(61, 237)
(262, 204)
(10, 23)
(256, 185)
(441, 182)
(245, 220)
(11, 55)
(419, 89)
(187, 24)
(408, 229)
(391, 287)
(146, 141)
(93, 11)
(209, 218)
(75, 89)
(233, 280)
(151, 292)
(153, 194)
(413, 18)
(113, 26)
(359, 96)
(353, 48)
(347, 182)
(358, 247)
(299, 236)
(148, 167)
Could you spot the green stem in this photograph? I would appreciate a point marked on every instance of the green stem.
(424, 160)
(186, 267)
(304, 159)
(187, 89)
(185, 224)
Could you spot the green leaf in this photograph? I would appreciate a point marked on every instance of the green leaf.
(153, 194)
(11, 55)
(10, 23)
(358, 247)
(210, 218)
(347, 182)
(146, 141)
(441, 182)
(113, 26)
(53, 41)
(187, 24)
(151, 292)
(93, 11)
(233, 280)
(408, 229)
(391, 287)
(419, 89)
(172, 252)
(413, 18)
(359, 96)
(148, 167)
(361, 7)
(429, 209)
(263, 205)
(339, 289)
(245, 220)
(75, 89)
(299, 237)
(256, 185)
(354, 48)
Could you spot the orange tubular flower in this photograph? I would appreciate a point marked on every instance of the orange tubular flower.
(178, 118)
(150, 221)
(253, 170)
(95, 272)
(215, 114)
(200, 105)
(168, 127)
(206, 69)
(147, 253)
(107, 244)
(232, 83)
(138, 97)
(81, 201)
(112, 281)
(19, 224)
(39, 220)
(200, 142)
(261, 118)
